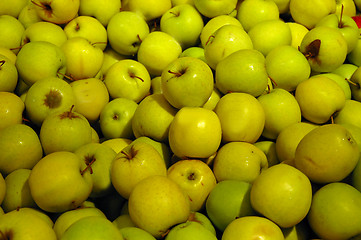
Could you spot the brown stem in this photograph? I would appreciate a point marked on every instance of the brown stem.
(178, 74)
(88, 166)
(2, 62)
(340, 22)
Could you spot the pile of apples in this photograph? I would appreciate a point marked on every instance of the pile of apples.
(180, 119)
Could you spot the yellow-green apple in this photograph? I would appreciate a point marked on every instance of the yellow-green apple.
(66, 219)
(28, 15)
(242, 71)
(341, 81)
(242, 117)
(11, 109)
(83, 58)
(8, 53)
(184, 23)
(228, 200)
(126, 30)
(355, 81)
(213, 99)
(355, 132)
(203, 219)
(300, 231)
(354, 56)
(310, 12)
(44, 31)
(110, 57)
(19, 224)
(12, 8)
(11, 32)
(224, 41)
(283, 6)
(89, 28)
(187, 82)
(128, 78)
(91, 95)
(179, 2)
(150, 9)
(269, 148)
(248, 227)
(156, 85)
(63, 189)
(350, 113)
(356, 176)
(279, 190)
(20, 147)
(40, 59)
(135, 233)
(123, 221)
(96, 227)
(18, 191)
(214, 8)
(325, 48)
(2, 189)
(168, 49)
(252, 12)
(21, 89)
(275, 104)
(327, 98)
(153, 117)
(103, 11)
(336, 211)
(197, 52)
(195, 132)
(298, 31)
(64, 130)
(46, 96)
(346, 70)
(196, 179)
(287, 67)
(115, 119)
(241, 161)
(327, 154)
(134, 163)
(213, 24)
(190, 230)
(95, 135)
(117, 143)
(57, 11)
(8, 74)
(288, 139)
(346, 7)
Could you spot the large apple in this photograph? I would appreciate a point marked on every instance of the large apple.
(44, 31)
(57, 11)
(103, 11)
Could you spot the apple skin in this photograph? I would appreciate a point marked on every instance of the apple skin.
(349, 114)
(269, 148)
(102, 12)
(149, 10)
(12, 31)
(341, 81)
(211, 8)
(11, 109)
(191, 231)
(298, 31)
(12, 8)
(355, 84)
(28, 15)
(2, 189)
(135, 233)
(8, 53)
(197, 52)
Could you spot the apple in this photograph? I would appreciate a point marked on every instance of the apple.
(239, 161)
(346, 7)
(327, 154)
(126, 30)
(179, 2)
(197, 52)
(153, 117)
(156, 204)
(149, 10)
(89, 28)
(11, 109)
(110, 57)
(2, 189)
(203, 219)
(356, 176)
(269, 149)
(12, 8)
(123, 221)
(335, 211)
(298, 31)
(117, 144)
(57, 11)
(128, 78)
(28, 15)
(213, 99)
(353, 56)
(64, 130)
(355, 84)
(102, 11)
(187, 82)
(346, 70)
(214, 8)
(228, 200)
(65, 188)
(300, 231)
(11, 32)
(184, 23)
(242, 117)
(190, 230)
(8, 53)
(252, 12)
(135, 233)
(115, 119)
(349, 113)
(8, 75)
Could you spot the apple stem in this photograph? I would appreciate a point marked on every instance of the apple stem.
(341, 15)
(44, 6)
(210, 37)
(178, 74)
(132, 75)
(353, 83)
(2, 62)
(88, 166)
(128, 156)
(332, 120)
(98, 43)
(175, 14)
(66, 76)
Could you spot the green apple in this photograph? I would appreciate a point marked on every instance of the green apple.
(179, 2)
(355, 81)
(65, 188)
(126, 30)
(283, 6)
(197, 52)
(134, 163)
(345, 70)
(341, 81)
(214, 8)
(92, 227)
(39, 59)
(110, 57)
(288, 139)
(102, 11)
(44, 31)
(310, 12)
(12, 8)
(252, 12)
(153, 117)
(156, 204)
(279, 190)
(335, 211)
(11, 109)
(287, 67)
(327, 154)
(28, 15)
(8, 53)
(228, 200)
(135, 233)
(349, 114)
(354, 56)
(242, 117)
(156, 85)
(57, 11)
(128, 78)
(184, 23)
(319, 97)
(8, 74)
(355, 132)
(123, 221)
(149, 10)
(224, 41)
(269, 148)
(356, 176)
(87, 27)
(346, 7)
(325, 48)
(117, 144)
(241, 161)
(11, 32)
(203, 219)
(298, 31)
(190, 230)
(248, 227)
(20, 147)
(64, 130)
(195, 132)
(213, 99)
(187, 82)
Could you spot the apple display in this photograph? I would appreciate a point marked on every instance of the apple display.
(11, 109)
(8, 74)
(214, 8)
(11, 32)
(102, 12)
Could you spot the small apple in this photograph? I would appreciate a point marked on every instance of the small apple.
(117, 144)
(203, 219)
(103, 11)
(57, 11)
(123, 221)
(214, 8)
(11, 109)
(197, 52)
(356, 176)
(44, 31)
(346, 70)
(269, 148)
(8, 75)
(354, 56)
(355, 81)
(298, 31)
(11, 32)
